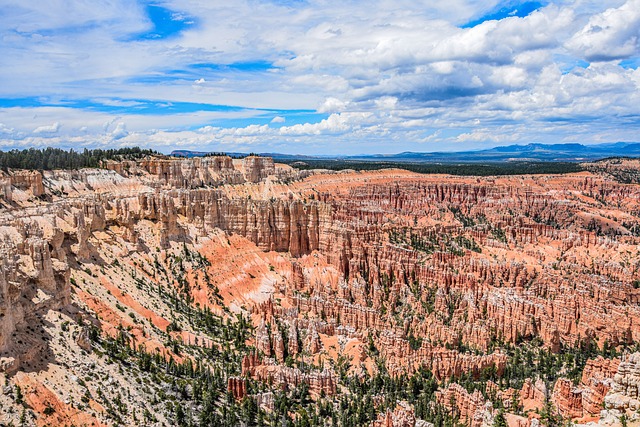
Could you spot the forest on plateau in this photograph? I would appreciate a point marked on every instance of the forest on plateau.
(56, 158)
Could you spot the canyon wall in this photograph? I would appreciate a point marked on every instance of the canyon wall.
(414, 272)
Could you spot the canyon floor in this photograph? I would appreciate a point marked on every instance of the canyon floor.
(221, 292)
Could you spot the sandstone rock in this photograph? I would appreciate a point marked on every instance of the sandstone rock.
(533, 394)
(319, 382)
(181, 173)
(401, 416)
(384, 254)
(83, 340)
(32, 281)
(6, 192)
(567, 398)
(469, 407)
(257, 168)
(28, 181)
(263, 339)
(237, 387)
(625, 389)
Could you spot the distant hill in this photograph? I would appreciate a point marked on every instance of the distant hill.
(530, 152)
(572, 152)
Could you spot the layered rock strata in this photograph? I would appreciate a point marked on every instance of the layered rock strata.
(418, 271)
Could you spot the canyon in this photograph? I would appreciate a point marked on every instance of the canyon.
(377, 298)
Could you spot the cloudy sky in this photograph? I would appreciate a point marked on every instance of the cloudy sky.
(318, 76)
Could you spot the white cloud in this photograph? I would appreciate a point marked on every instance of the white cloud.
(335, 123)
(118, 102)
(483, 135)
(53, 128)
(120, 131)
(6, 129)
(74, 122)
(610, 35)
(332, 105)
(250, 130)
(509, 76)
(387, 103)
(390, 73)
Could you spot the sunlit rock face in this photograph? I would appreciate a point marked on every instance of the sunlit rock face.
(337, 274)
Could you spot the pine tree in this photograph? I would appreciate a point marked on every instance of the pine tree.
(499, 420)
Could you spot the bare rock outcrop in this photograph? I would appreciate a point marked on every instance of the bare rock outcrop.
(422, 272)
(257, 168)
(401, 416)
(625, 389)
(28, 180)
(470, 407)
(533, 394)
(237, 387)
(318, 382)
(181, 173)
(567, 398)
(32, 281)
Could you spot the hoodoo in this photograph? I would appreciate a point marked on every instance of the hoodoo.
(160, 290)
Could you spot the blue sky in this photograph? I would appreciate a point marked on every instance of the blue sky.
(318, 78)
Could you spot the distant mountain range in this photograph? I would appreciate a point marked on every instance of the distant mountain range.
(519, 153)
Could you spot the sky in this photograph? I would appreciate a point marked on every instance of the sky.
(317, 76)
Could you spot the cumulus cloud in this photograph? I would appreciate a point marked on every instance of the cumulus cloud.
(610, 35)
(336, 123)
(53, 128)
(483, 135)
(387, 103)
(403, 74)
(332, 105)
(6, 129)
(120, 131)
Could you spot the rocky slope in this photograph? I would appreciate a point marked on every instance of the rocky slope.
(363, 298)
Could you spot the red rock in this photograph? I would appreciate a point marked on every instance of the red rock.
(401, 416)
(469, 407)
(237, 387)
(346, 268)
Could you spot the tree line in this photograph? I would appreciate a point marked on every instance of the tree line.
(56, 158)
(462, 169)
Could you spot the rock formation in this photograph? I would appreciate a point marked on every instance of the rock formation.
(347, 273)
(401, 416)
(625, 389)
(257, 168)
(282, 377)
(469, 407)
